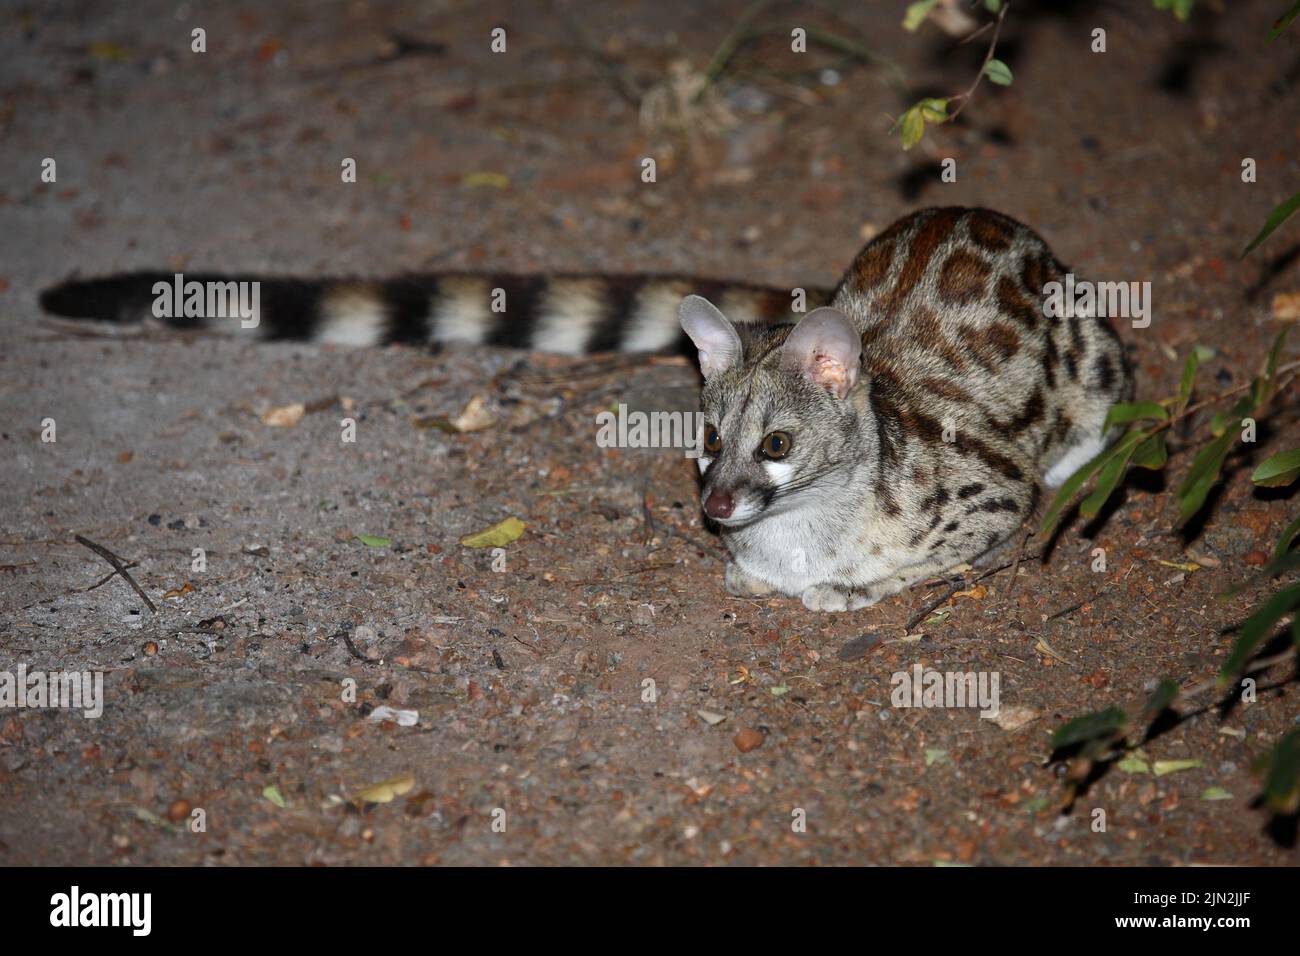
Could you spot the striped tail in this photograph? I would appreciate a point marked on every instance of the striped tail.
(566, 314)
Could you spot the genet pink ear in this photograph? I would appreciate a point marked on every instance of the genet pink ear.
(826, 348)
(712, 334)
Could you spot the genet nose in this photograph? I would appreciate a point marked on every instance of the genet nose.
(718, 505)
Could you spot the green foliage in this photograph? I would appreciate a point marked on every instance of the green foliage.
(1202, 476)
(1280, 214)
(1283, 22)
(1103, 734)
(997, 72)
(1143, 446)
(1281, 766)
(1102, 725)
(1096, 736)
(913, 121)
(1279, 471)
(1285, 538)
(1257, 629)
(1182, 8)
(911, 125)
(916, 14)
(1122, 414)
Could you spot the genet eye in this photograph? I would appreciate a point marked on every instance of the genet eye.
(712, 440)
(776, 445)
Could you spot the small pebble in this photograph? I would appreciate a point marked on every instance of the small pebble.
(747, 740)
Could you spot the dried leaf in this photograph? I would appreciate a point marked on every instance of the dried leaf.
(1134, 764)
(386, 790)
(1163, 767)
(403, 718)
(497, 536)
(284, 416)
(1015, 717)
(475, 416)
(485, 178)
(179, 592)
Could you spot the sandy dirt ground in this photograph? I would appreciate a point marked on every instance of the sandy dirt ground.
(538, 740)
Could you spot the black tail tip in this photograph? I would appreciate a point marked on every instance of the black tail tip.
(109, 299)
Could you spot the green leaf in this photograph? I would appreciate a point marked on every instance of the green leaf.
(916, 14)
(1133, 764)
(913, 124)
(1162, 767)
(1257, 628)
(1282, 22)
(1280, 214)
(1270, 369)
(273, 794)
(1290, 561)
(1189, 377)
(933, 110)
(1182, 8)
(1285, 538)
(1100, 725)
(497, 536)
(992, 6)
(1215, 793)
(1152, 454)
(1124, 413)
(998, 72)
(371, 541)
(1160, 698)
(934, 755)
(1065, 494)
(1202, 477)
(1282, 775)
(1107, 481)
(1279, 471)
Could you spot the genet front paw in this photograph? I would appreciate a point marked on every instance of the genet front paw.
(744, 585)
(830, 597)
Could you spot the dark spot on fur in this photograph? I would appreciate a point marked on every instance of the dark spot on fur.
(963, 278)
(872, 264)
(937, 227)
(1034, 272)
(1032, 413)
(924, 330)
(1016, 305)
(887, 503)
(1104, 372)
(999, 462)
(989, 230)
(922, 426)
(965, 491)
(945, 389)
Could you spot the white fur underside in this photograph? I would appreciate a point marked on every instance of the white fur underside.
(1073, 459)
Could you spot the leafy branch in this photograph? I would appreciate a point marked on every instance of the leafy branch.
(1103, 736)
(935, 110)
(1144, 446)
